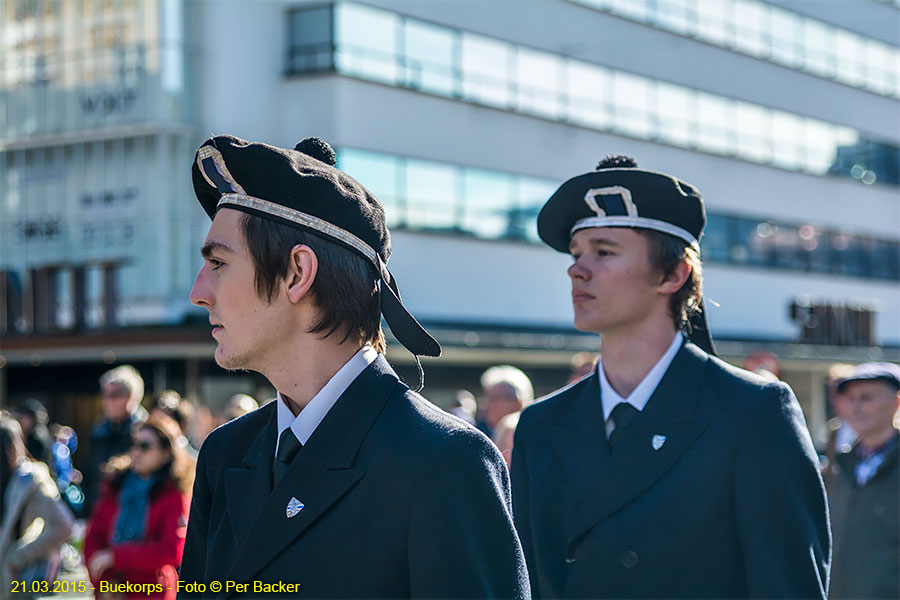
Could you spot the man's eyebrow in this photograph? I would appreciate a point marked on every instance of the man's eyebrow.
(594, 242)
(211, 247)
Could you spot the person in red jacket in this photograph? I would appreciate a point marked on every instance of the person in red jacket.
(135, 537)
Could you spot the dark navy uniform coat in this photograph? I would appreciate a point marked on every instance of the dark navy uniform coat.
(399, 500)
(712, 492)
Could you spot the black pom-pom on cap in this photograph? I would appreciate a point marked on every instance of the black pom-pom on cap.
(617, 161)
(318, 149)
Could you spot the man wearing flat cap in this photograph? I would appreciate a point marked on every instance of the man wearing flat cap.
(349, 484)
(864, 490)
(665, 473)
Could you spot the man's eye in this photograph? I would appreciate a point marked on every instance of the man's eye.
(215, 264)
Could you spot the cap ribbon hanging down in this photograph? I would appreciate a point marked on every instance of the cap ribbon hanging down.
(628, 197)
(303, 189)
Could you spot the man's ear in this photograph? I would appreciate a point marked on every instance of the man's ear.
(302, 268)
(673, 282)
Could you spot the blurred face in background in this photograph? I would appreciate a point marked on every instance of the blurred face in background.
(148, 454)
(869, 407)
(498, 401)
(116, 398)
(26, 422)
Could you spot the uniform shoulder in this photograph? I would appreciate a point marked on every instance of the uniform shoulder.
(749, 393)
(430, 431)
(741, 380)
(549, 408)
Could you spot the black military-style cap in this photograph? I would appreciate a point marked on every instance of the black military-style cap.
(625, 196)
(303, 189)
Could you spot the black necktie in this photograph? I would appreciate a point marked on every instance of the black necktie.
(288, 447)
(621, 416)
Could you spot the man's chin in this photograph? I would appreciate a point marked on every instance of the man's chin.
(586, 325)
(229, 362)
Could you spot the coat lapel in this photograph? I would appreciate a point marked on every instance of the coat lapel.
(580, 443)
(320, 475)
(676, 412)
(247, 487)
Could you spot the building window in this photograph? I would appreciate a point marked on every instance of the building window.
(381, 46)
(423, 195)
(311, 40)
(771, 33)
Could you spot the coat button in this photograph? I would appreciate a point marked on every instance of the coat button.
(629, 559)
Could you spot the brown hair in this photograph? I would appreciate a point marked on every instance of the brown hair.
(665, 253)
(345, 289)
(179, 470)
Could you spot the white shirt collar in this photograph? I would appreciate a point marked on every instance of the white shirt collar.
(304, 424)
(641, 394)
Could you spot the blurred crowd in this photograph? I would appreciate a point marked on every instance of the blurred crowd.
(132, 499)
(123, 517)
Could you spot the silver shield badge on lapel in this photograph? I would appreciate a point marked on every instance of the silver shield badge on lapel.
(293, 508)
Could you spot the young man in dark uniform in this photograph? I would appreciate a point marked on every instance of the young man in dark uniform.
(666, 473)
(349, 484)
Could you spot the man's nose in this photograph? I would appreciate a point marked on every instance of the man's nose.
(200, 295)
(576, 271)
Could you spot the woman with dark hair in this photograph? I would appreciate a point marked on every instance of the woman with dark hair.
(34, 522)
(136, 532)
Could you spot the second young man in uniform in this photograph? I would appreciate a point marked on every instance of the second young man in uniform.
(666, 473)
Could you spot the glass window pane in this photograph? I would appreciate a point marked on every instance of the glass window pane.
(820, 147)
(488, 204)
(633, 9)
(786, 247)
(431, 195)
(429, 58)
(750, 19)
(753, 138)
(785, 33)
(367, 43)
(714, 244)
(485, 71)
(381, 175)
(311, 40)
(714, 21)
(588, 89)
(817, 43)
(787, 134)
(532, 195)
(845, 255)
(632, 99)
(879, 79)
(677, 114)
(538, 76)
(677, 15)
(715, 116)
(850, 58)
